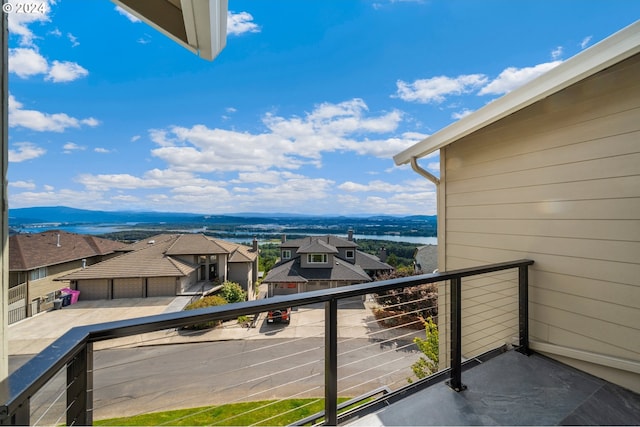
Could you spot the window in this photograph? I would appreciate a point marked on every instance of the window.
(286, 254)
(38, 273)
(317, 258)
(213, 258)
(350, 254)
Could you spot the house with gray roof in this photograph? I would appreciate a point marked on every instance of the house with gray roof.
(36, 260)
(321, 262)
(167, 265)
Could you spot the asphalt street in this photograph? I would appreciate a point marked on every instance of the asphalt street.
(232, 364)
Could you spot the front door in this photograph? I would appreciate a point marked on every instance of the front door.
(213, 272)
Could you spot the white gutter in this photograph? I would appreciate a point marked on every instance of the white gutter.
(616, 48)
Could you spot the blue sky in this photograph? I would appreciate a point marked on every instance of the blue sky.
(301, 112)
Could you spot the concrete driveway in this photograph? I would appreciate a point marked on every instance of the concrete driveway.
(32, 335)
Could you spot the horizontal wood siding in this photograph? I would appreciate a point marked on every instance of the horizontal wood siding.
(558, 182)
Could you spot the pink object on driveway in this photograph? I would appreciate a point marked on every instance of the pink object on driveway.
(74, 294)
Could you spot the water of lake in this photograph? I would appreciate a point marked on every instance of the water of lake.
(101, 229)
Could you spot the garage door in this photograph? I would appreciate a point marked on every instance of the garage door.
(92, 289)
(312, 286)
(127, 288)
(284, 288)
(161, 286)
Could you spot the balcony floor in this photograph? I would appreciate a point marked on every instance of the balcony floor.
(513, 389)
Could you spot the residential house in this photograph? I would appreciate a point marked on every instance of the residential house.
(36, 260)
(551, 172)
(426, 259)
(166, 265)
(321, 262)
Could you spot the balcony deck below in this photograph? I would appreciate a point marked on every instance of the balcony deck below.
(513, 389)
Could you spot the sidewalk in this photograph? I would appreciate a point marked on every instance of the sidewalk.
(32, 335)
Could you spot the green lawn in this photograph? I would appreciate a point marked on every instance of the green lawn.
(266, 412)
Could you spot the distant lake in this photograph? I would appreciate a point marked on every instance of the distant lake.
(102, 229)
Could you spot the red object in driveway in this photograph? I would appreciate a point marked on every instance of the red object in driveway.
(283, 315)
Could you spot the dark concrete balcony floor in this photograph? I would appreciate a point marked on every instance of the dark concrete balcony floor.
(513, 389)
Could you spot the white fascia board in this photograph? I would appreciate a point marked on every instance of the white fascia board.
(206, 26)
(618, 47)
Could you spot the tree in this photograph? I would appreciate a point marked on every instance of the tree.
(233, 292)
(428, 364)
(392, 260)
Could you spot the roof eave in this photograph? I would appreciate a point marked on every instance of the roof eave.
(199, 25)
(622, 45)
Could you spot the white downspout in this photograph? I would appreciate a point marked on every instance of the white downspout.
(444, 309)
(416, 167)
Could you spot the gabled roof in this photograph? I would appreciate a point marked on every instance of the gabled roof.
(195, 244)
(371, 262)
(336, 242)
(317, 246)
(157, 257)
(616, 48)
(149, 261)
(237, 253)
(291, 271)
(29, 251)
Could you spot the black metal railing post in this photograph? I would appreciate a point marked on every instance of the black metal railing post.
(80, 388)
(523, 309)
(456, 335)
(331, 362)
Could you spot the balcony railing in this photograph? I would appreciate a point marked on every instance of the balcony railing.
(74, 351)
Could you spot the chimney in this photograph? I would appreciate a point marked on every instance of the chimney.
(58, 242)
(383, 254)
(350, 235)
(255, 244)
(284, 238)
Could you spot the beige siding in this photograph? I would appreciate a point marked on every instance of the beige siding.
(558, 182)
(241, 273)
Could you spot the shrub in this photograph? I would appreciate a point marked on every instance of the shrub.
(210, 301)
(428, 364)
(233, 292)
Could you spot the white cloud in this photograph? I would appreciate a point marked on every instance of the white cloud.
(585, 42)
(435, 89)
(557, 53)
(43, 122)
(461, 114)
(240, 23)
(101, 150)
(135, 138)
(230, 110)
(25, 151)
(66, 72)
(48, 187)
(155, 178)
(127, 15)
(19, 22)
(70, 147)
(27, 185)
(288, 143)
(73, 39)
(55, 32)
(64, 197)
(26, 62)
(146, 39)
(512, 78)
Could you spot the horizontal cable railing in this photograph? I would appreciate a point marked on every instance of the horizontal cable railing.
(357, 339)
